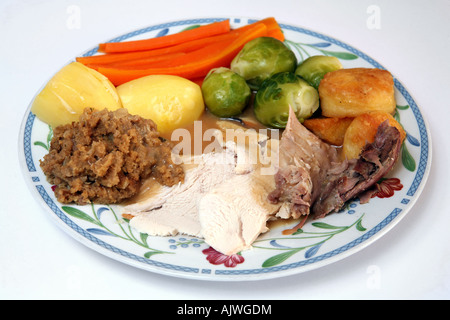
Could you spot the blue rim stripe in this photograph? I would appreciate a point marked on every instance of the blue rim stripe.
(27, 142)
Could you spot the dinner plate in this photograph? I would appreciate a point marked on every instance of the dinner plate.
(276, 253)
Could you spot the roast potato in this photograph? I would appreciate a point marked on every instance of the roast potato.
(362, 130)
(331, 130)
(355, 91)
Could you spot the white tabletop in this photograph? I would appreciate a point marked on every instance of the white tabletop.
(39, 261)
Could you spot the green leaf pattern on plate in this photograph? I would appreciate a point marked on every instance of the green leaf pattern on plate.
(408, 161)
(305, 50)
(304, 240)
(127, 233)
(46, 144)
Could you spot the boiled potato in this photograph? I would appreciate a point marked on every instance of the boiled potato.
(331, 130)
(362, 130)
(170, 101)
(351, 92)
(71, 90)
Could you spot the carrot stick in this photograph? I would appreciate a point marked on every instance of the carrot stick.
(215, 55)
(127, 56)
(273, 28)
(139, 63)
(117, 57)
(179, 58)
(208, 52)
(169, 40)
(270, 23)
(277, 34)
(182, 69)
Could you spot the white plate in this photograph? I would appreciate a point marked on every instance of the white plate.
(274, 255)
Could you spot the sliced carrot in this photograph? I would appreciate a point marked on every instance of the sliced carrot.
(117, 57)
(204, 31)
(273, 28)
(277, 34)
(110, 58)
(208, 50)
(181, 53)
(214, 56)
(184, 68)
(139, 63)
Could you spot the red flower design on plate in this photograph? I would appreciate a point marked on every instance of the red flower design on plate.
(215, 257)
(386, 188)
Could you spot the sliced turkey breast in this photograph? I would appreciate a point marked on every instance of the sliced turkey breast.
(233, 214)
(173, 210)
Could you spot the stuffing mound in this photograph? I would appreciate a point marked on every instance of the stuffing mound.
(104, 157)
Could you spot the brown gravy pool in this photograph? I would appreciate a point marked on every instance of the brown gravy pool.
(208, 121)
(150, 187)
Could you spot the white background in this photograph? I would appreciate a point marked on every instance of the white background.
(39, 261)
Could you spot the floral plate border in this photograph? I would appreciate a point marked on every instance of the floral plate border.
(285, 250)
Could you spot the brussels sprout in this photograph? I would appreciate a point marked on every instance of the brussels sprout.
(281, 91)
(314, 68)
(225, 93)
(262, 57)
